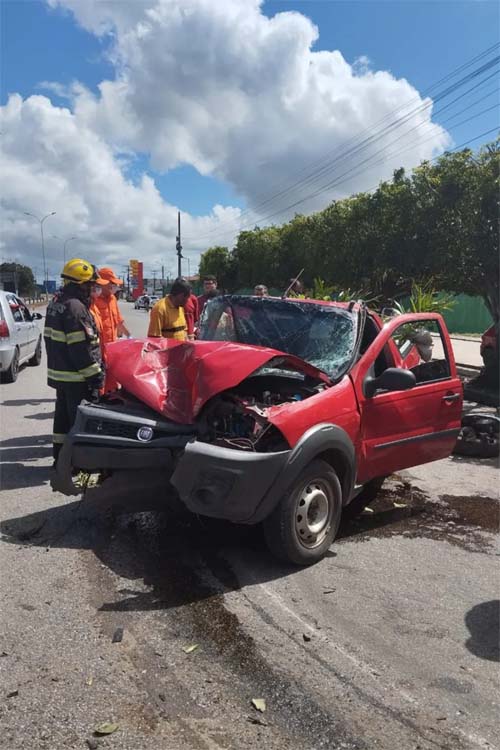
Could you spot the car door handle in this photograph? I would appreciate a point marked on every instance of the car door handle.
(450, 397)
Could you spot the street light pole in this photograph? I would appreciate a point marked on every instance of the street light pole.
(53, 213)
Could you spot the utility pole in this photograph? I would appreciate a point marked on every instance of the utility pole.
(154, 272)
(178, 245)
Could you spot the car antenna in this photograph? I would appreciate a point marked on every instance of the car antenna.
(285, 294)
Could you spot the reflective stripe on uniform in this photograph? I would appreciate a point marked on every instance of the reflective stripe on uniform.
(75, 338)
(50, 333)
(58, 438)
(93, 369)
(71, 338)
(66, 376)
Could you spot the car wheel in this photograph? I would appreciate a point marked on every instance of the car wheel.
(366, 496)
(10, 375)
(305, 522)
(37, 356)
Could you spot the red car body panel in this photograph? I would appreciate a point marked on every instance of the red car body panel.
(337, 404)
(390, 421)
(177, 378)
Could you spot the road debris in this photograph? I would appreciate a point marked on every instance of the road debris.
(257, 720)
(13, 694)
(399, 505)
(190, 649)
(92, 743)
(306, 637)
(259, 704)
(117, 636)
(106, 728)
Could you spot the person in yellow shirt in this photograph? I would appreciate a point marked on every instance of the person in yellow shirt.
(167, 317)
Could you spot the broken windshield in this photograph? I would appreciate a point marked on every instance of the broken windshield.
(323, 335)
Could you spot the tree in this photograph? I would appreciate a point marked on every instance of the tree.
(22, 276)
(216, 261)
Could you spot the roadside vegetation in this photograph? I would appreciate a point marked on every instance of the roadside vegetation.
(436, 228)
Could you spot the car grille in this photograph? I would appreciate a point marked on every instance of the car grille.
(111, 428)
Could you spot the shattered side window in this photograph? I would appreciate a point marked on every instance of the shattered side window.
(322, 335)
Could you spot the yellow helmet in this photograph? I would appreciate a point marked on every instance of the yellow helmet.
(79, 271)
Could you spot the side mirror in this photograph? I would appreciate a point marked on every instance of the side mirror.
(392, 379)
(36, 316)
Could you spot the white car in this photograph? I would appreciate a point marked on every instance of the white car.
(20, 336)
(146, 301)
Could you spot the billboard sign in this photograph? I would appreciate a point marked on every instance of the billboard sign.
(136, 278)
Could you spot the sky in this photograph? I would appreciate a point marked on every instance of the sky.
(116, 115)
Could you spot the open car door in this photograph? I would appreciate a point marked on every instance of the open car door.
(403, 428)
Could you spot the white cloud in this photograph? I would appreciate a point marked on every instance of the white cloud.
(211, 83)
(53, 162)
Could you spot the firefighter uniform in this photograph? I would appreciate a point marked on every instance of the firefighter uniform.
(74, 363)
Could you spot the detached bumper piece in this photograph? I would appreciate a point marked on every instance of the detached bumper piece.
(225, 483)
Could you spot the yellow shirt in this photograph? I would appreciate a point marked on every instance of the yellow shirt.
(167, 321)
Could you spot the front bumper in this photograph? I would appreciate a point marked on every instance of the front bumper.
(224, 482)
(210, 480)
(106, 438)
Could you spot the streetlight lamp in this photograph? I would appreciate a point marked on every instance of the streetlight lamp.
(43, 244)
(65, 242)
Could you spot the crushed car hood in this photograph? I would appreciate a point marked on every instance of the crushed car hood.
(177, 378)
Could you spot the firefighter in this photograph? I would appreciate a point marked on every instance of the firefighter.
(113, 325)
(74, 364)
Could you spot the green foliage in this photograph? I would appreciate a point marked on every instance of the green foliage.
(322, 290)
(216, 261)
(425, 298)
(26, 284)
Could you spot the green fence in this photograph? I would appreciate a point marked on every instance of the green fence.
(469, 315)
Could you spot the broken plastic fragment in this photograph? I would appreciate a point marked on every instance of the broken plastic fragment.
(399, 505)
(190, 649)
(259, 704)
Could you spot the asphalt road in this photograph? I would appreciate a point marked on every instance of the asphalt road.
(391, 642)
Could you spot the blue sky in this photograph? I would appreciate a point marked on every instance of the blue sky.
(421, 41)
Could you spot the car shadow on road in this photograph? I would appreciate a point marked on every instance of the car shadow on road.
(16, 475)
(40, 415)
(27, 401)
(483, 623)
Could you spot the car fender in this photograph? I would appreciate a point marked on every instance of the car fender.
(324, 440)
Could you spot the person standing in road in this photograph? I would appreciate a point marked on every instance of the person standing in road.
(167, 317)
(191, 311)
(94, 294)
(74, 363)
(209, 292)
(113, 324)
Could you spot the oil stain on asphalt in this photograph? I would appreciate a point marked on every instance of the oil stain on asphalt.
(400, 509)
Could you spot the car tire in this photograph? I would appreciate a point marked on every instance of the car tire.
(366, 496)
(36, 359)
(10, 375)
(301, 529)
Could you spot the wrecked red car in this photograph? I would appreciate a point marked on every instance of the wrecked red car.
(285, 412)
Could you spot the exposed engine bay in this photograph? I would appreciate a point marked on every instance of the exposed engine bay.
(237, 418)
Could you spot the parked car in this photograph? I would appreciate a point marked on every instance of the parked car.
(146, 301)
(284, 412)
(20, 336)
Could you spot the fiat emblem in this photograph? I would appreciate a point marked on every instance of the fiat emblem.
(144, 434)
